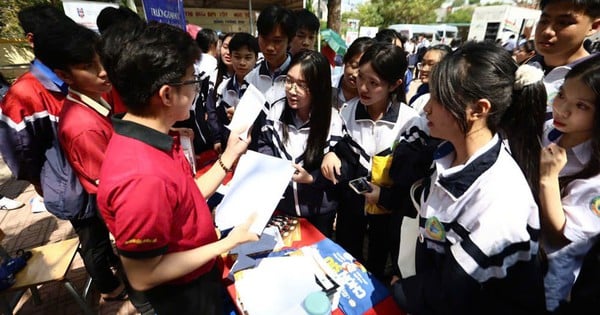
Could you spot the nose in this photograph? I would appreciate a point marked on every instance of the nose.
(560, 108)
(427, 108)
(548, 30)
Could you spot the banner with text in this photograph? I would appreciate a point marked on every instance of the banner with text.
(165, 11)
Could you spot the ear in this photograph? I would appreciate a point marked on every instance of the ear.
(166, 95)
(394, 86)
(65, 76)
(478, 109)
(595, 27)
(29, 37)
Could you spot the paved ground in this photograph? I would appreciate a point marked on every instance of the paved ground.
(25, 229)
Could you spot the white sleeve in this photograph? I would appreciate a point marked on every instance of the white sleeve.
(582, 208)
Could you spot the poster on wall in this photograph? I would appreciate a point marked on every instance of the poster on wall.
(165, 11)
(85, 12)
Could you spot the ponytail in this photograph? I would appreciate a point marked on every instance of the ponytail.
(523, 122)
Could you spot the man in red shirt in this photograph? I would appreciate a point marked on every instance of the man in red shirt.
(147, 194)
(83, 132)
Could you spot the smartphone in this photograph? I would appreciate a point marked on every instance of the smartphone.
(360, 185)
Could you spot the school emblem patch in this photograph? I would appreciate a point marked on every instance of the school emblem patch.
(595, 205)
(435, 229)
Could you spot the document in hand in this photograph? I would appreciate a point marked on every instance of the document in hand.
(247, 110)
(257, 185)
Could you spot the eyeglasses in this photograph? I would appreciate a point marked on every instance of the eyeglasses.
(300, 86)
(197, 83)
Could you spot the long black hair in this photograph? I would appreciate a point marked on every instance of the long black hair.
(588, 72)
(315, 68)
(482, 70)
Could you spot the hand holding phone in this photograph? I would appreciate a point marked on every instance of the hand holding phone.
(360, 185)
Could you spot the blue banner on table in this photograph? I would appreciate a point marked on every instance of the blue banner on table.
(361, 290)
(165, 11)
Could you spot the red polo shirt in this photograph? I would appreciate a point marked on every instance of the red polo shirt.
(84, 131)
(149, 199)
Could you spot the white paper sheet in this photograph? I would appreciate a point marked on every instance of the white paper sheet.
(277, 286)
(247, 110)
(257, 185)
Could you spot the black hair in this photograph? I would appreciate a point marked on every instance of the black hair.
(314, 67)
(114, 39)
(222, 70)
(110, 16)
(357, 47)
(590, 7)
(241, 40)
(482, 70)
(159, 55)
(588, 72)
(307, 20)
(388, 35)
(65, 45)
(206, 38)
(274, 15)
(390, 63)
(442, 48)
(40, 16)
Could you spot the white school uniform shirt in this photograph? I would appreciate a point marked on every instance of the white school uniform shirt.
(273, 87)
(375, 136)
(581, 204)
(470, 201)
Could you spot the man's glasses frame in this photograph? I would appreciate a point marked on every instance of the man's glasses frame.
(197, 83)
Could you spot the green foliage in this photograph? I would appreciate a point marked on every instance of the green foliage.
(460, 16)
(474, 2)
(309, 6)
(9, 24)
(382, 13)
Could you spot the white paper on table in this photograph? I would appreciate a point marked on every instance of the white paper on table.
(277, 285)
(247, 110)
(257, 185)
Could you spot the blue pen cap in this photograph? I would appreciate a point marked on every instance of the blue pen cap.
(317, 303)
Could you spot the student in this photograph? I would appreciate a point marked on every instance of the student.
(110, 16)
(147, 186)
(345, 89)
(478, 220)
(559, 37)
(83, 132)
(525, 52)
(373, 121)
(244, 51)
(205, 67)
(394, 38)
(570, 179)
(276, 27)
(224, 71)
(30, 109)
(5, 202)
(308, 127)
(306, 33)
(432, 56)
(389, 35)
(511, 44)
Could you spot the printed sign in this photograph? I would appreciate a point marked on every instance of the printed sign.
(165, 11)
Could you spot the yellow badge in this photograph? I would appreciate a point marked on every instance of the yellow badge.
(435, 229)
(595, 205)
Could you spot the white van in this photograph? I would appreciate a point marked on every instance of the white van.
(435, 33)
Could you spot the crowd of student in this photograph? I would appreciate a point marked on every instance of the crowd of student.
(497, 159)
